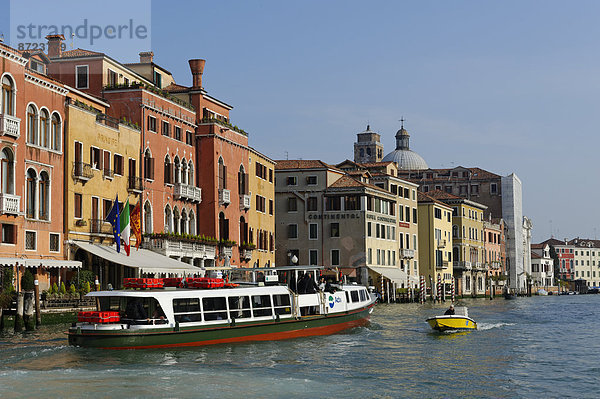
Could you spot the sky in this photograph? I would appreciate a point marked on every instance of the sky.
(508, 86)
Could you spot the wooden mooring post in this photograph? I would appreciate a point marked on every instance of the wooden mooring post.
(36, 297)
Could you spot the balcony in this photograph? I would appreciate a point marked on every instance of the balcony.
(226, 250)
(10, 126)
(224, 196)
(10, 204)
(496, 265)
(187, 192)
(441, 243)
(407, 253)
(100, 226)
(82, 171)
(135, 184)
(246, 254)
(462, 265)
(443, 265)
(180, 248)
(244, 202)
(108, 173)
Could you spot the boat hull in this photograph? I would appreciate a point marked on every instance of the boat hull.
(219, 334)
(455, 322)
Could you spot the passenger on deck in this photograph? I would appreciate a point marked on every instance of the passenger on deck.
(322, 284)
(135, 310)
(310, 287)
(450, 310)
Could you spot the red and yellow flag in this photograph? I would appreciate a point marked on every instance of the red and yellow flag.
(135, 221)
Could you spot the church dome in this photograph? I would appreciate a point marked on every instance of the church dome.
(404, 158)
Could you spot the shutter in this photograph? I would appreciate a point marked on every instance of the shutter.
(224, 177)
(151, 168)
(246, 185)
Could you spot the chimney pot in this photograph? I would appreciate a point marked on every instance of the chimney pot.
(146, 57)
(197, 68)
(55, 43)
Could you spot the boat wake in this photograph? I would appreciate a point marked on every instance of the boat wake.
(489, 326)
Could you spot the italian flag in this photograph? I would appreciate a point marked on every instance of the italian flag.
(125, 226)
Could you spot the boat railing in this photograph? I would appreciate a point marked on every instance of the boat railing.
(142, 322)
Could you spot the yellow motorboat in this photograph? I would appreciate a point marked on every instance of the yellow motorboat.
(460, 320)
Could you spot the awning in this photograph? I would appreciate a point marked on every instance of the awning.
(47, 263)
(143, 259)
(392, 273)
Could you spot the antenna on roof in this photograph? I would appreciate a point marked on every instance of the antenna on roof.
(286, 155)
(1, 37)
(72, 40)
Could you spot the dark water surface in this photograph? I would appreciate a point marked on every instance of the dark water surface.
(530, 347)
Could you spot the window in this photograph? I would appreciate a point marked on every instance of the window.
(222, 174)
(270, 207)
(313, 257)
(239, 307)
(177, 133)
(31, 193)
(352, 203)
(54, 242)
(151, 126)
(214, 308)
(7, 171)
(261, 203)
(370, 256)
(414, 212)
(157, 79)
(112, 78)
(333, 204)
(148, 166)
(44, 196)
(8, 96)
(335, 257)
(168, 171)
(9, 233)
(261, 170)
(77, 206)
(335, 229)
(270, 175)
(369, 230)
(311, 180)
(189, 137)
(292, 204)
(118, 164)
(55, 133)
(32, 123)
(44, 128)
(313, 231)
(261, 305)
(96, 158)
(166, 129)
(292, 181)
(493, 188)
(437, 213)
(82, 77)
(311, 204)
(30, 240)
(292, 231)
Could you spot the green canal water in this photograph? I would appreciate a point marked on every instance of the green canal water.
(529, 347)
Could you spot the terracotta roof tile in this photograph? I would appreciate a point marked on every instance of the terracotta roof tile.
(79, 53)
(538, 246)
(535, 256)
(442, 195)
(174, 88)
(302, 164)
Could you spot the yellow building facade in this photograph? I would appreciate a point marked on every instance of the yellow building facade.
(435, 241)
(261, 214)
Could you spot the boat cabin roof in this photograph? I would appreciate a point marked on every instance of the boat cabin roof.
(194, 292)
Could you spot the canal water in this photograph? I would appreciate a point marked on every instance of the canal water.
(529, 347)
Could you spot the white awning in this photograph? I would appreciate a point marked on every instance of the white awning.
(144, 260)
(47, 263)
(392, 273)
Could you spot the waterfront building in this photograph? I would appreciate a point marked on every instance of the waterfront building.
(470, 269)
(32, 117)
(494, 244)
(586, 256)
(435, 242)
(565, 253)
(257, 233)
(542, 268)
(384, 175)
(325, 216)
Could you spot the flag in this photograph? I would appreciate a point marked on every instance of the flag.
(113, 219)
(125, 226)
(136, 225)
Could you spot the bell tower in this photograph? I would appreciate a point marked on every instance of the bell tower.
(368, 147)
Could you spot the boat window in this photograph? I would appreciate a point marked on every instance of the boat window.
(187, 306)
(354, 296)
(363, 296)
(347, 297)
(214, 308)
(281, 303)
(239, 307)
(261, 305)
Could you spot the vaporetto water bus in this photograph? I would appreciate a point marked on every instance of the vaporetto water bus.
(166, 316)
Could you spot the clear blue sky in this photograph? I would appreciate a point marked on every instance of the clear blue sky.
(508, 86)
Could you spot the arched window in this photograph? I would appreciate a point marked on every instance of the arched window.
(242, 181)
(55, 134)
(148, 165)
(454, 231)
(44, 128)
(222, 174)
(32, 123)
(147, 218)
(176, 220)
(31, 189)
(168, 171)
(183, 223)
(223, 227)
(184, 174)
(44, 196)
(177, 168)
(191, 180)
(168, 220)
(192, 223)
(243, 231)
(362, 152)
(8, 171)
(8, 96)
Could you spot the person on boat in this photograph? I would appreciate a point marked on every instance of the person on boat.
(310, 287)
(322, 284)
(450, 311)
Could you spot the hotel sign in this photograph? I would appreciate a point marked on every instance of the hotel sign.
(336, 216)
(404, 224)
(381, 218)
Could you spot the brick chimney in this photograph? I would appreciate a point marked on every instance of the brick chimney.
(197, 68)
(146, 57)
(55, 43)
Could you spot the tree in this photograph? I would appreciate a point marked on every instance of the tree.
(27, 281)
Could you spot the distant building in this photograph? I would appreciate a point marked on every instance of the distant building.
(403, 156)
(587, 261)
(495, 251)
(565, 252)
(368, 147)
(542, 267)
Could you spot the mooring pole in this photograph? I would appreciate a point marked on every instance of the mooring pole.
(36, 297)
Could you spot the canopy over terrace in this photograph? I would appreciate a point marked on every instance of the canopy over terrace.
(48, 270)
(143, 260)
